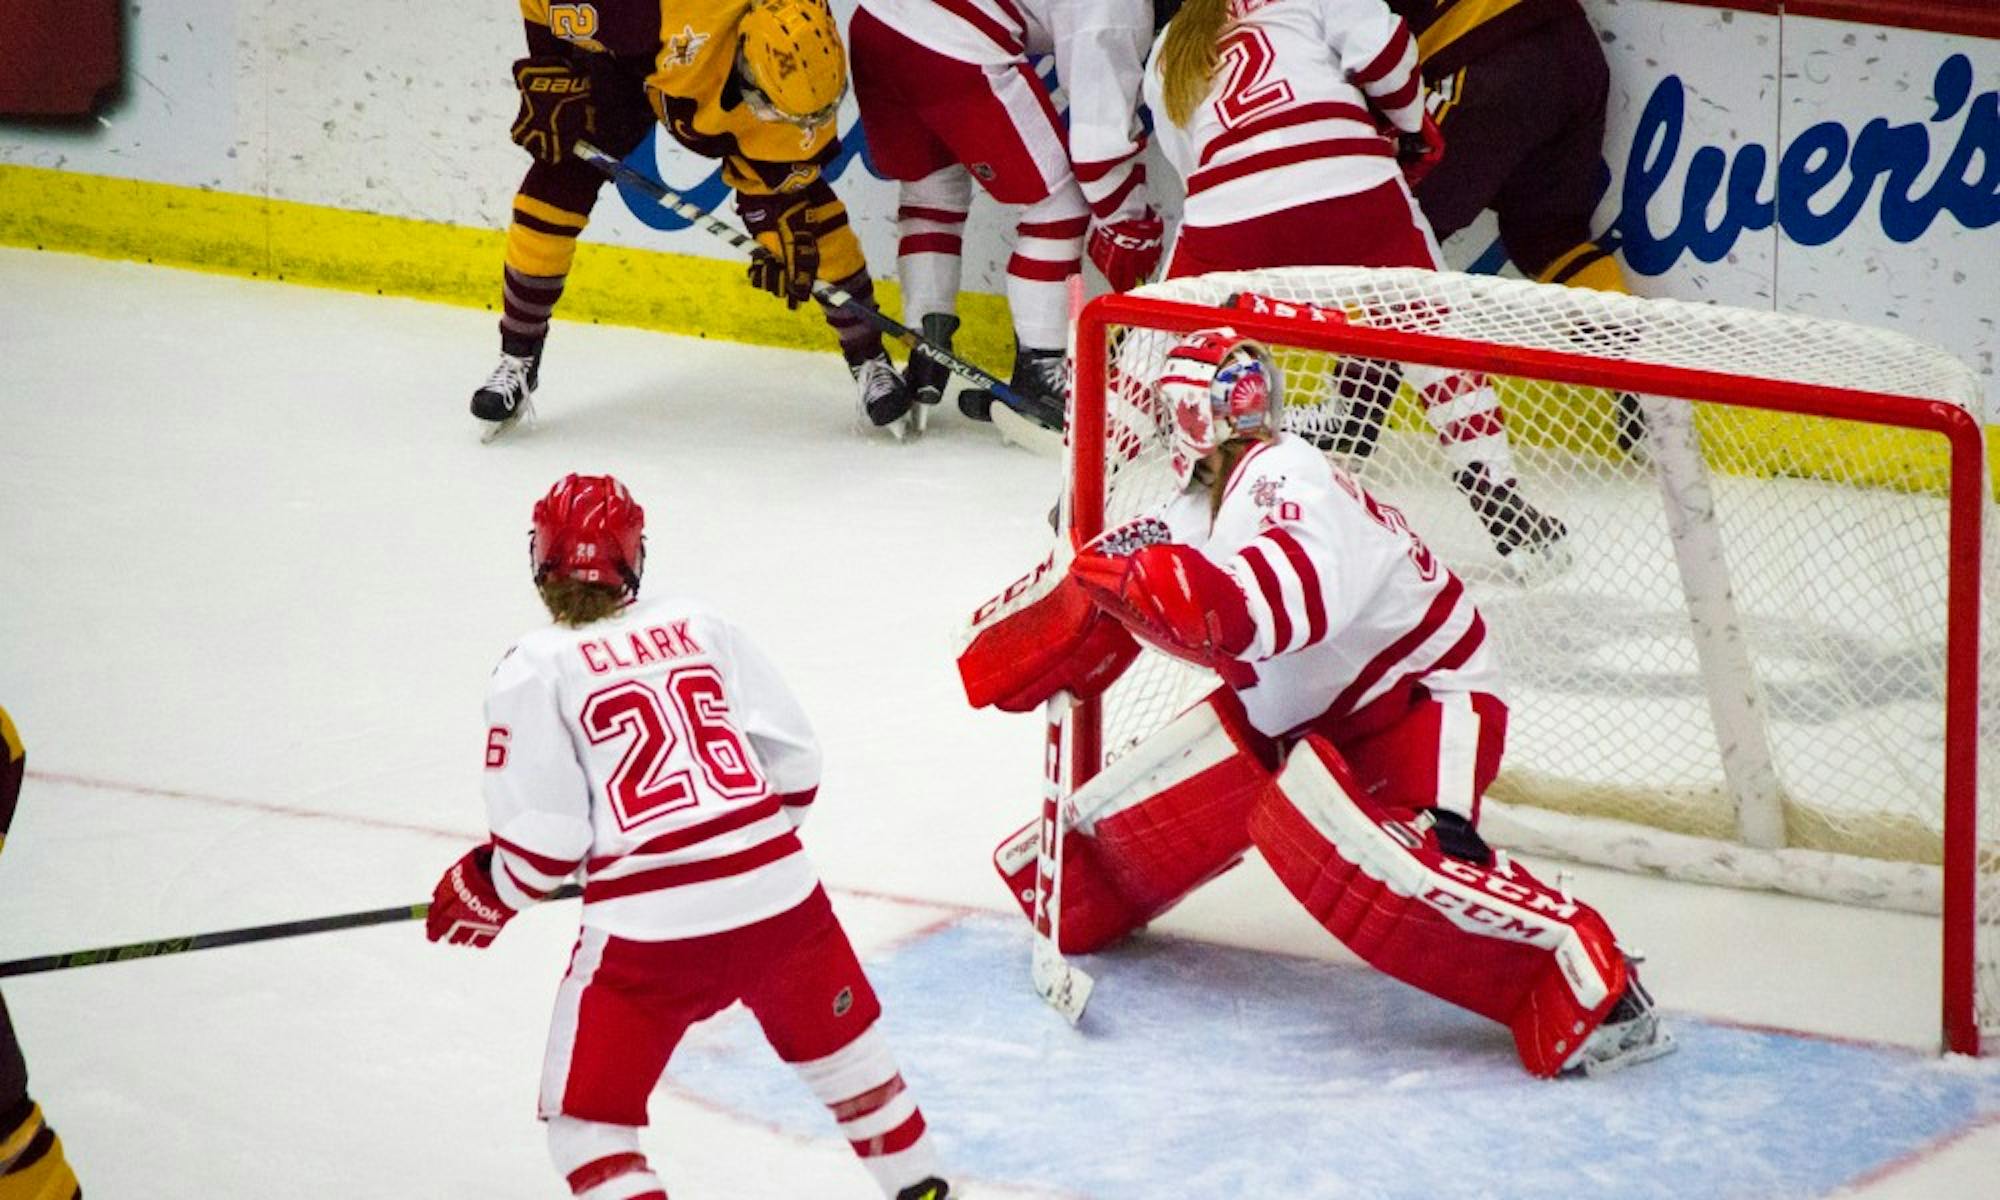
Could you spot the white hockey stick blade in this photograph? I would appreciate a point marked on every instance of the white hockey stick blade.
(1065, 987)
(1017, 430)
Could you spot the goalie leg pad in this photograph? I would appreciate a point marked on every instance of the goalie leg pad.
(1168, 816)
(1094, 915)
(1040, 636)
(1495, 941)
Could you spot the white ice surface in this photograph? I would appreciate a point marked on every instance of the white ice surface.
(254, 569)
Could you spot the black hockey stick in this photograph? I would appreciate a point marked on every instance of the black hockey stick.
(832, 296)
(233, 937)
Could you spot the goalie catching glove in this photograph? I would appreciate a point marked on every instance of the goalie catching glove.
(556, 111)
(1040, 636)
(784, 228)
(1169, 595)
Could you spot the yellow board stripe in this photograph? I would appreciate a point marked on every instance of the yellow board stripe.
(395, 256)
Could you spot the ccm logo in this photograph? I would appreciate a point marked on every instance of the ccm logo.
(558, 85)
(1468, 913)
(1535, 899)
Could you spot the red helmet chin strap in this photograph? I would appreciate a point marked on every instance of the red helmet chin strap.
(589, 528)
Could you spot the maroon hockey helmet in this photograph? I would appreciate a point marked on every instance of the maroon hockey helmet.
(1216, 385)
(589, 528)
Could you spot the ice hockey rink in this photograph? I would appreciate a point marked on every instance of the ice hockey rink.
(257, 566)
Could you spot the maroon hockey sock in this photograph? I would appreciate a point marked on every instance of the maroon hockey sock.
(526, 304)
(859, 341)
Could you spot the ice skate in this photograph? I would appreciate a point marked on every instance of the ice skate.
(1631, 1035)
(927, 377)
(930, 1189)
(884, 397)
(1531, 542)
(508, 394)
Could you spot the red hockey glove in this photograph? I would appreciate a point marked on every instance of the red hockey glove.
(1172, 597)
(1127, 251)
(1420, 151)
(783, 226)
(465, 908)
(555, 107)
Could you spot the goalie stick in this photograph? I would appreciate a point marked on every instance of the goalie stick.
(234, 937)
(1065, 987)
(709, 223)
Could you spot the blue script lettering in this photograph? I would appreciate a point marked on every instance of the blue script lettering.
(1824, 180)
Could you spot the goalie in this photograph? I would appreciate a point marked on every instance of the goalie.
(1356, 729)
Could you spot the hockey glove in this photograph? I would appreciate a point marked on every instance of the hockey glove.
(1175, 599)
(1457, 837)
(783, 228)
(1420, 151)
(1127, 251)
(465, 908)
(556, 111)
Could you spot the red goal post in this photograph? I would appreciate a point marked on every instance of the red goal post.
(1557, 350)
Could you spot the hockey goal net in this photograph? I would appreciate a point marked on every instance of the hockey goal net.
(1764, 660)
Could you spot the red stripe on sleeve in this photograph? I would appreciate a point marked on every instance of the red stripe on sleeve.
(603, 1170)
(1403, 96)
(1385, 62)
(1274, 597)
(527, 889)
(798, 799)
(553, 867)
(1308, 581)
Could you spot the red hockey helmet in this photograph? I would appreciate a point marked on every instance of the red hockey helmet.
(1217, 385)
(589, 528)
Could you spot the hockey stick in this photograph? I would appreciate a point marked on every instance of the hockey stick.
(234, 937)
(823, 291)
(1065, 987)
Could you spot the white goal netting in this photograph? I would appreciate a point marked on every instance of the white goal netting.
(1739, 676)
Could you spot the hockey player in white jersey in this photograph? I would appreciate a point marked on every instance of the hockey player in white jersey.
(1299, 126)
(1357, 728)
(947, 96)
(654, 748)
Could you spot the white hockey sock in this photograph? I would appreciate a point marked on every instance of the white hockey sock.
(1048, 249)
(1465, 411)
(602, 1162)
(930, 223)
(860, 1085)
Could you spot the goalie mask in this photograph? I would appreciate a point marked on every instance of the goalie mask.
(791, 62)
(589, 528)
(1217, 385)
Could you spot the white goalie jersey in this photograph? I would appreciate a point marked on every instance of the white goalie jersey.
(659, 752)
(1351, 608)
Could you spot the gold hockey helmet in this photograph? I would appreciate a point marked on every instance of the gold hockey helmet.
(793, 66)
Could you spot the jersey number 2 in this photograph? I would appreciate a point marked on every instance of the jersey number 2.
(1247, 56)
(653, 722)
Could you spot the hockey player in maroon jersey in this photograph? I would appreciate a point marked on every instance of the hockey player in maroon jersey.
(32, 1165)
(753, 83)
(1287, 119)
(947, 96)
(1357, 728)
(652, 746)
(1518, 88)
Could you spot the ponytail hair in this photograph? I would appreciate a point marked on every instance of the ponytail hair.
(1188, 56)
